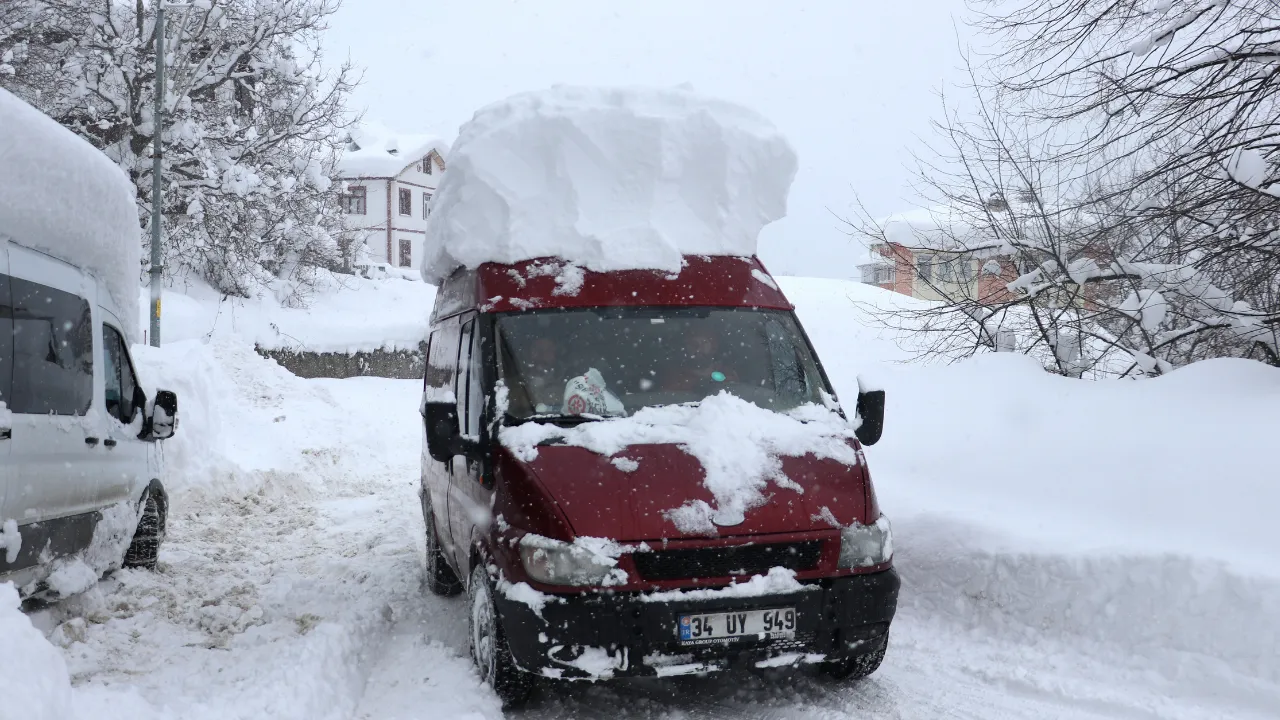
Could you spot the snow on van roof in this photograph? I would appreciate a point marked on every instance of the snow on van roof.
(608, 179)
(376, 151)
(61, 196)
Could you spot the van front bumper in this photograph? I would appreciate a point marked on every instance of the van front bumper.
(601, 635)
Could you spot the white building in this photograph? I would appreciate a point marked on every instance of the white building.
(389, 180)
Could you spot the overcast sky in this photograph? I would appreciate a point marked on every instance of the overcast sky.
(852, 83)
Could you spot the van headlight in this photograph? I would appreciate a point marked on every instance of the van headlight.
(553, 562)
(866, 545)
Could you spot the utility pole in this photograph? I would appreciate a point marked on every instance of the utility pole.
(157, 182)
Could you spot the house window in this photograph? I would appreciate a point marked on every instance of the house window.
(426, 165)
(352, 201)
(406, 253)
(426, 205)
(924, 268)
(406, 201)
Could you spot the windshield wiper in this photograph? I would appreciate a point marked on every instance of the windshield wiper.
(552, 418)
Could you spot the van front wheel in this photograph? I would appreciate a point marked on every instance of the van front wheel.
(857, 665)
(489, 648)
(144, 550)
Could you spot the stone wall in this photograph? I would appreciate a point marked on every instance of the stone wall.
(401, 364)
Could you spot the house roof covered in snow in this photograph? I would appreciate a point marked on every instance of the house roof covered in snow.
(375, 151)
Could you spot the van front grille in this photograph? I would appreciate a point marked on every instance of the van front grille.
(727, 561)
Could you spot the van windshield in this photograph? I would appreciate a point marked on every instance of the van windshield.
(615, 361)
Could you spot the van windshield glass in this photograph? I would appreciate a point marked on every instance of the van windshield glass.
(615, 361)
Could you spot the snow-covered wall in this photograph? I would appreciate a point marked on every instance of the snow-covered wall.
(61, 196)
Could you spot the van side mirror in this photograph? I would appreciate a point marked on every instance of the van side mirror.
(871, 410)
(444, 439)
(164, 415)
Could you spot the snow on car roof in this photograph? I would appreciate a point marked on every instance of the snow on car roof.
(376, 151)
(607, 179)
(61, 196)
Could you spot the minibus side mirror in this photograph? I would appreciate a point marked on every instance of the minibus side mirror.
(871, 410)
(444, 440)
(164, 415)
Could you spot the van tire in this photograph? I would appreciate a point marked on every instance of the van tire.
(488, 644)
(144, 549)
(441, 580)
(856, 666)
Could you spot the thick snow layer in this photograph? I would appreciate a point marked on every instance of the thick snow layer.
(61, 196)
(739, 444)
(607, 179)
(33, 676)
(342, 313)
(377, 152)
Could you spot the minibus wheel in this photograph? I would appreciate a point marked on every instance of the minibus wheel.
(144, 549)
(489, 648)
(860, 664)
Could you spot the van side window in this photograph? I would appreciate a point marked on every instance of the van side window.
(52, 350)
(6, 342)
(475, 384)
(461, 390)
(121, 383)
(442, 359)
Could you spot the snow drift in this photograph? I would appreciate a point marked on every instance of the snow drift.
(61, 196)
(610, 179)
(33, 676)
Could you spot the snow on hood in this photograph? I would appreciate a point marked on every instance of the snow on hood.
(61, 196)
(739, 444)
(376, 151)
(608, 179)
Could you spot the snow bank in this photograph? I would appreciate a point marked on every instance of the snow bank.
(33, 676)
(246, 425)
(608, 179)
(343, 313)
(739, 444)
(1026, 506)
(61, 196)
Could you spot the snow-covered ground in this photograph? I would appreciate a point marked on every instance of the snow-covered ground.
(1068, 550)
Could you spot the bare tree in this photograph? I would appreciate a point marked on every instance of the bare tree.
(1138, 139)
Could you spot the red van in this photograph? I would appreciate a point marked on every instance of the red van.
(574, 564)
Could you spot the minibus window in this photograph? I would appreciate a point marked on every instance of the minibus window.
(646, 357)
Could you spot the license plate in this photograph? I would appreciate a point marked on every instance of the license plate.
(713, 627)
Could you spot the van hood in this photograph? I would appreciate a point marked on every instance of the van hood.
(629, 496)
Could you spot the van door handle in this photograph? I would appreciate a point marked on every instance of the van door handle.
(91, 441)
(6, 433)
(109, 442)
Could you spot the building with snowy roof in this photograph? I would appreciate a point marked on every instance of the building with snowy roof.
(937, 254)
(388, 182)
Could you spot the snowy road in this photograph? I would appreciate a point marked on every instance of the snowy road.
(303, 599)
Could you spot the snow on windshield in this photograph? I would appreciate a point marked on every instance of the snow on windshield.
(553, 362)
(607, 179)
(61, 196)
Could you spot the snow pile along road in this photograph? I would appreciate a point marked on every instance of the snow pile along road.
(341, 313)
(608, 179)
